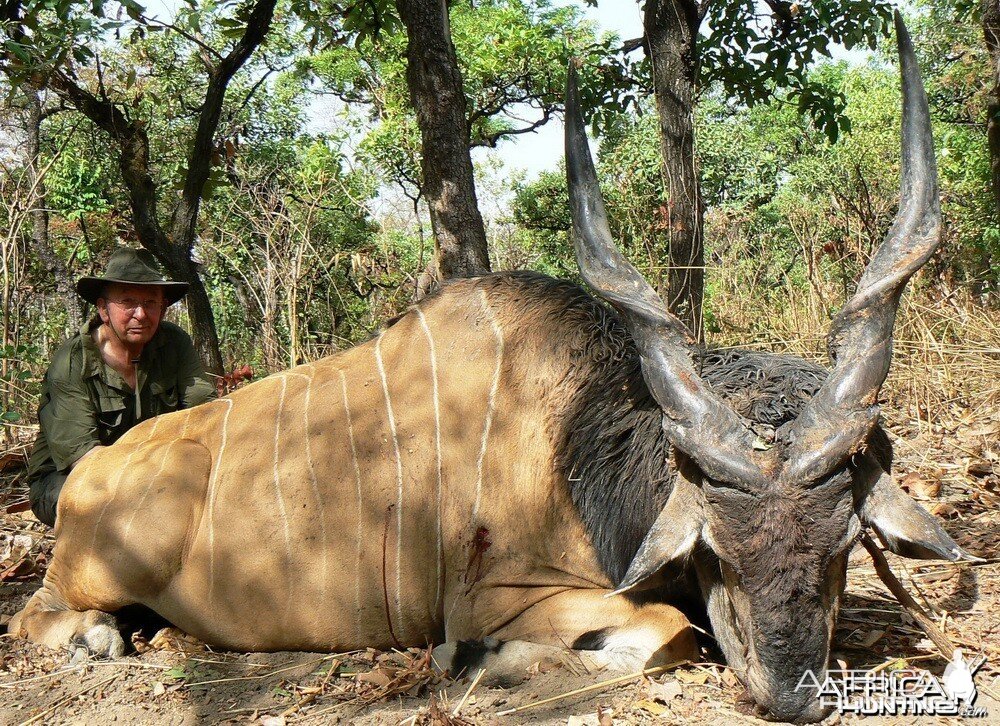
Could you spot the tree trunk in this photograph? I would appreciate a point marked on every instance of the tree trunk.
(202, 318)
(671, 32)
(437, 95)
(991, 32)
(174, 255)
(40, 242)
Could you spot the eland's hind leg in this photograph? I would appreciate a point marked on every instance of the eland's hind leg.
(121, 537)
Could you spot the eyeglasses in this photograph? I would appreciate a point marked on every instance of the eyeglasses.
(130, 305)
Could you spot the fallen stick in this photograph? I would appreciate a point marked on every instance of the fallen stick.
(310, 697)
(472, 687)
(73, 669)
(262, 676)
(940, 640)
(597, 686)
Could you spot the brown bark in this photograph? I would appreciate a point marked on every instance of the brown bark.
(991, 32)
(671, 32)
(40, 242)
(437, 95)
(174, 250)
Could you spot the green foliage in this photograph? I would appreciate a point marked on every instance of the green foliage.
(18, 384)
(752, 56)
(513, 55)
(77, 185)
(783, 204)
(299, 257)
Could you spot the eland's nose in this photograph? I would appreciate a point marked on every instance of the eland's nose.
(811, 713)
(788, 703)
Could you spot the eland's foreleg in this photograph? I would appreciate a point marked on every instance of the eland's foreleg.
(580, 629)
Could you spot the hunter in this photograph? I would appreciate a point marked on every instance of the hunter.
(124, 366)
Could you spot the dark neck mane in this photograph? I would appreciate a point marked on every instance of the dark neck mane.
(613, 451)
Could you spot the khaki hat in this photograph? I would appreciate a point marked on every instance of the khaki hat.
(131, 267)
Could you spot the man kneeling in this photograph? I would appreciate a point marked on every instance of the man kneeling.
(124, 366)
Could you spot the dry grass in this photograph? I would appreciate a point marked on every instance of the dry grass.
(946, 360)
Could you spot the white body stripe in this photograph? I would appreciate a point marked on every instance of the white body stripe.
(399, 482)
(280, 499)
(212, 481)
(437, 441)
(490, 402)
(360, 512)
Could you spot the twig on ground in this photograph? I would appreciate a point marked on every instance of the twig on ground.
(69, 670)
(472, 687)
(195, 684)
(940, 640)
(310, 697)
(596, 687)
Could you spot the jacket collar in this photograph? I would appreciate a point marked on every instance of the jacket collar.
(93, 364)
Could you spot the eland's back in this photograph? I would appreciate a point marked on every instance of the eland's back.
(341, 504)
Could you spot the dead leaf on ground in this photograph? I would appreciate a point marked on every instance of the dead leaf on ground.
(652, 707)
(377, 677)
(919, 487)
(169, 640)
(664, 692)
(697, 677)
(13, 460)
(989, 430)
(872, 637)
(979, 468)
(601, 718)
(944, 509)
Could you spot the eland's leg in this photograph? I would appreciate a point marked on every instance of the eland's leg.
(121, 538)
(581, 629)
(49, 621)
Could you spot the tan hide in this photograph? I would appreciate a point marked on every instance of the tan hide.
(333, 506)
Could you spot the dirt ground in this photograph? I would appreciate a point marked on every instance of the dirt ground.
(954, 469)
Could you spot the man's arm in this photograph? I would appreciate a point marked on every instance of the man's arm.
(68, 419)
(193, 385)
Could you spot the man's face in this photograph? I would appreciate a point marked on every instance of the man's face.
(133, 311)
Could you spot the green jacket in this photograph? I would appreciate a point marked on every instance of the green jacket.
(85, 403)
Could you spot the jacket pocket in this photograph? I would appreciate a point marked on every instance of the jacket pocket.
(164, 397)
(110, 417)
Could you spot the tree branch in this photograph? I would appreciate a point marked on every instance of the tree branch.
(185, 216)
(205, 47)
(491, 140)
(631, 45)
(133, 160)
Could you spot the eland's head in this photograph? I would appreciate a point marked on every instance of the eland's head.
(770, 523)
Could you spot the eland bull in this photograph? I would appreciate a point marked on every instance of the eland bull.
(512, 468)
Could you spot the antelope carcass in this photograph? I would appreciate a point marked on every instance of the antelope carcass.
(513, 467)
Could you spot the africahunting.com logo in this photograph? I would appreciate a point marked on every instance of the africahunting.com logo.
(901, 693)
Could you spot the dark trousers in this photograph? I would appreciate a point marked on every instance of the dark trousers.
(44, 493)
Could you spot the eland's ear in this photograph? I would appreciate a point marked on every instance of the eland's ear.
(672, 536)
(904, 526)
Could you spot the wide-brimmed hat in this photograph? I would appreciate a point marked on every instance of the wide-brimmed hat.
(131, 267)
